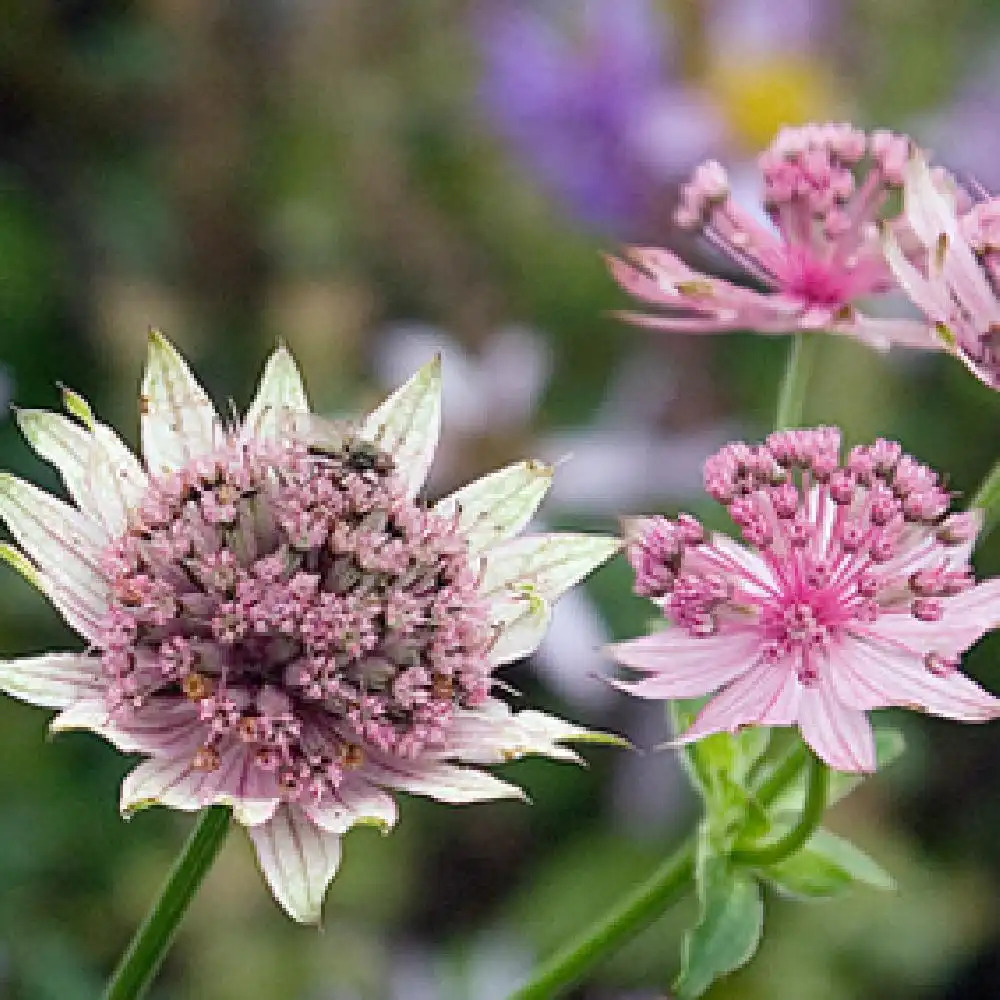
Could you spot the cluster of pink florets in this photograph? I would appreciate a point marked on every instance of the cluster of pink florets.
(305, 605)
(812, 169)
(843, 543)
(825, 187)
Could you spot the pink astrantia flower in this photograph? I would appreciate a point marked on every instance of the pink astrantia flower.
(957, 279)
(825, 193)
(854, 591)
(276, 621)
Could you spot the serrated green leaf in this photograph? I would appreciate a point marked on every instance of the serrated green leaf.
(730, 920)
(826, 867)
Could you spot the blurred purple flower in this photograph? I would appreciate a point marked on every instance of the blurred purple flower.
(964, 133)
(749, 29)
(587, 105)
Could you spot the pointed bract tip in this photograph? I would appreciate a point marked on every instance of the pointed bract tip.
(20, 563)
(539, 468)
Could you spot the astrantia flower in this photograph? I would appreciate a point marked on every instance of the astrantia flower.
(276, 621)
(957, 279)
(854, 592)
(825, 192)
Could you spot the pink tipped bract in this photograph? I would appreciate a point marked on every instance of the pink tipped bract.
(853, 591)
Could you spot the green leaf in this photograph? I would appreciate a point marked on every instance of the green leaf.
(889, 745)
(730, 920)
(826, 867)
(722, 761)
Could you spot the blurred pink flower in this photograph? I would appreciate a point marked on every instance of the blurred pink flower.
(825, 191)
(276, 621)
(854, 592)
(955, 281)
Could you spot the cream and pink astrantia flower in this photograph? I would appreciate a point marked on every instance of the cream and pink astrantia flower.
(827, 192)
(853, 591)
(956, 281)
(276, 621)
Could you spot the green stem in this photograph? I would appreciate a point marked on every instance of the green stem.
(672, 878)
(987, 499)
(817, 791)
(669, 881)
(634, 912)
(148, 947)
(792, 392)
(785, 771)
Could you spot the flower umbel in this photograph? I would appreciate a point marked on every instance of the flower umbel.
(853, 592)
(826, 189)
(956, 280)
(276, 621)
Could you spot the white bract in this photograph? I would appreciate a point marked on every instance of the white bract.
(275, 622)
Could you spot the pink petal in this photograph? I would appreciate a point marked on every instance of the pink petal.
(730, 558)
(865, 676)
(168, 729)
(355, 801)
(766, 695)
(840, 736)
(172, 781)
(684, 665)
(931, 297)
(298, 860)
(884, 333)
(967, 617)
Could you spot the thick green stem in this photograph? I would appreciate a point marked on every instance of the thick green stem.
(792, 392)
(149, 946)
(812, 813)
(987, 499)
(633, 913)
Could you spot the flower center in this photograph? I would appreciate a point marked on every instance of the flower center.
(833, 547)
(302, 606)
(814, 282)
(796, 630)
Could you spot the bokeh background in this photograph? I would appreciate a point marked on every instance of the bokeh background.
(370, 181)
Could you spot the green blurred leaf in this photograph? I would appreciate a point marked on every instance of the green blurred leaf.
(730, 921)
(826, 867)
(889, 746)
